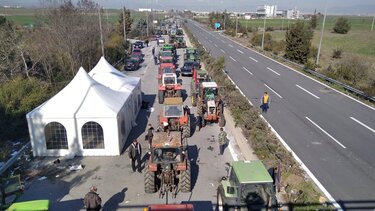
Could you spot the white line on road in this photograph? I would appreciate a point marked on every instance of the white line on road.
(240, 51)
(253, 59)
(209, 40)
(215, 45)
(273, 71)
(230, 45)
(222, 41)
(363, 124)
(222, 50)
(307, 91)
(247, 70)
(205, 38)
(329, 135)
(232, 59)
(273, 91)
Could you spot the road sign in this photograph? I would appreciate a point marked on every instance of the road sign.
(217, 25)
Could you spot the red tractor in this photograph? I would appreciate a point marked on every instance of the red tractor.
(165, 68)
(169, 87)
(175, 117)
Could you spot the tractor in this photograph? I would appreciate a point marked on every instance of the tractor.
(169, 87)
(168, 167)
(191, 54)
(175, 117)
(248, 186)
(180, 42)
(199, 76)
(209, 104)
(165, 68)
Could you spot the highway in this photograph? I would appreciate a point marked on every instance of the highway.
(331, 133)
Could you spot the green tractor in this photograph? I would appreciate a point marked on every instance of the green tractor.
(191, 54)
(199, 76)
(248, 186)
(180, 42)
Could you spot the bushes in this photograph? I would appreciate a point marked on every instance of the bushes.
(17, 97)
(342, 26)
(336, 53)
(352, 69)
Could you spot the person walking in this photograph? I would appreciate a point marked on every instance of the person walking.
(149, 136)
(92, 200)
(222, 141)
(153, 51)
(265, 102)
(135, 154)
(146, 42)
(156, 60)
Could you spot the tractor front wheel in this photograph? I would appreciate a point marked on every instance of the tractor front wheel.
(150, 186)
(161, 97)
(221, 120)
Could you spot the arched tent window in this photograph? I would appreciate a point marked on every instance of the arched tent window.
(92, 136)
(55, 135)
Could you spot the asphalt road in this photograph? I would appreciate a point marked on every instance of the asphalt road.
(118, 186)
(333, 134)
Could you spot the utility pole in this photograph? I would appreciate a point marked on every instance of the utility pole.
(236, 24)
(264, 31)
(224, 20)
(101, 32)
(372, 25)
(321, 34)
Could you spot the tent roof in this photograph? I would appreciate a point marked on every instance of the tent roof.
(82, 97)
(109, 76)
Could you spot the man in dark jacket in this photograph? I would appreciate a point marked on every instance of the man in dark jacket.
(149, 136)
(135, 154)
(92, 200)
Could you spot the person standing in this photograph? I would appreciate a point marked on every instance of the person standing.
(135, 153)
(153, 51)
(265, 102)
(92, 200)
(149, 136)
(146, 43)
(222, 141)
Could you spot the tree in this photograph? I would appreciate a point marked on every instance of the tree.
(342, 26)
(128, 23)
(298, 41)
(314, 21)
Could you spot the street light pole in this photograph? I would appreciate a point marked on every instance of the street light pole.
(321, 34)
(264, 31)
(236, 24)
(101, 32)
(124, 22)
(372, 25)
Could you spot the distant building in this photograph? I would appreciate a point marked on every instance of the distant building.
(268, 11)
(144, 10)
(293, 14)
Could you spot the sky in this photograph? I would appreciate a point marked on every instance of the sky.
(334, 6)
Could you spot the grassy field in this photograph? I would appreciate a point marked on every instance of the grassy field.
(26, 17)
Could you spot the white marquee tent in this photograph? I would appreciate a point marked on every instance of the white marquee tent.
(86, 118)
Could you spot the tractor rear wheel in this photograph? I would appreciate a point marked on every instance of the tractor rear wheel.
(185, 179)
(220, 200)
(178, 93)
(186, 131)
(221, 120)
(150, 186)
(161, 97)
(199, 108)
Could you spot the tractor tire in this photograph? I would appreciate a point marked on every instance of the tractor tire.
(222, 120)
(186, 131)
(161, 97)
(199, 108)
(194, 100)
(185, 179)
(178, 93)
(150, 185)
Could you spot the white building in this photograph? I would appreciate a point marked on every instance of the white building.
(267, 11)
(144, 10)
(293, 14)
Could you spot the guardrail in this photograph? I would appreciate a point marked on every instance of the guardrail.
(13, 159)
(321, 76)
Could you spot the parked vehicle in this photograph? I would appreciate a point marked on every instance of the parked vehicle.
(188, 68)
(138, 44)
(132, 64)
(138, 52)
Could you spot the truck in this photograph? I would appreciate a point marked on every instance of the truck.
(247, 186)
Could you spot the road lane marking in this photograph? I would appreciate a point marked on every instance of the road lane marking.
(247, 70)
(329, 135)
(232, 59)
(209, 40)
(273, 91)
(240, 51)
(222, 41)
(222, 50)
(205, 37)
(273, 71)
(363, 124)
(307, 91)
(230, 45)
(215, 45)
(253, 59)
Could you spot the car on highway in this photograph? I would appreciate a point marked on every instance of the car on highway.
(188, 68)
(138, 44)
(132, 63)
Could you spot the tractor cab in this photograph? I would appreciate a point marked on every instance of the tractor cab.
(210, 91)
(169, 79)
